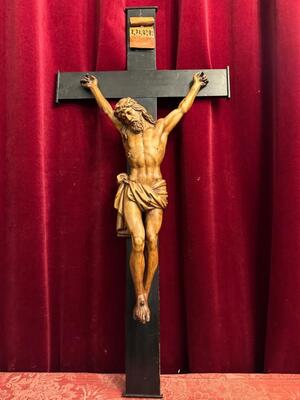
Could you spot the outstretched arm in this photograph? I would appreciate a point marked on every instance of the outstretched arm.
(90, 82)
(172, 119)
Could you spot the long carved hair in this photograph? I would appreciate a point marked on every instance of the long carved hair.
(123, 104)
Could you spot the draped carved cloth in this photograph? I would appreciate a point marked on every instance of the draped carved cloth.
(145, 197)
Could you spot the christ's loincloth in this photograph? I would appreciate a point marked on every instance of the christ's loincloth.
(145, 197)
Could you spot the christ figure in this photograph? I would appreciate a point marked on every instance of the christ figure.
(142, 194)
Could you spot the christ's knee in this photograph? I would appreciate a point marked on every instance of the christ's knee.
(138, 244)
(152, 241)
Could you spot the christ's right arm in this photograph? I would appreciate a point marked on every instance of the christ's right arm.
(90, 82)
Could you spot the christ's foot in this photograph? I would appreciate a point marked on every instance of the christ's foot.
(141, 311)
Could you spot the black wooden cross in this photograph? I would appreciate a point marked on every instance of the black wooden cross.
(144, 83)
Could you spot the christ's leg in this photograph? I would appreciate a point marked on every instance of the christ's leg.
(153, 223)
(133, 217)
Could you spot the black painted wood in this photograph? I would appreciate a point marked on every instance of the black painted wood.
(142, 344)
(137, 83)
(142, 341)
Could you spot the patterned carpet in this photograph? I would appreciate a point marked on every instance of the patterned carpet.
(84, 386)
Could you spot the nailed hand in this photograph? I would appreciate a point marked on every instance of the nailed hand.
(89, 81)
(200, 77)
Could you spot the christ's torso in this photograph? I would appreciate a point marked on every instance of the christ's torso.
(145, 152)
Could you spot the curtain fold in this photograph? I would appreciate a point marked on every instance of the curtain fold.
(229, 245)
(284, 314)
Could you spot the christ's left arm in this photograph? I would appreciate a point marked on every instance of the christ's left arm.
(171, 120)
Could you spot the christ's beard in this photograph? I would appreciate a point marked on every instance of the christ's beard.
(136, 126)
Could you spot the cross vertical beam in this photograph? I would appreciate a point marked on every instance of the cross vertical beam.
(142, 341)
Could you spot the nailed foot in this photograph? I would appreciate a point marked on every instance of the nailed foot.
(141, 311)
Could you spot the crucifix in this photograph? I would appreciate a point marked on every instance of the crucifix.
(142, 193)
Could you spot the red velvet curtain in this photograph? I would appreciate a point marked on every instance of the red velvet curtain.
(230, 242)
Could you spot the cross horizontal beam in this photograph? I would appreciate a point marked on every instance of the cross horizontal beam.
(143, 83)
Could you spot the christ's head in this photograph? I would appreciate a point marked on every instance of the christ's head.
(131, 114)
